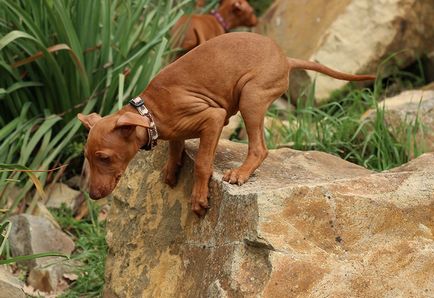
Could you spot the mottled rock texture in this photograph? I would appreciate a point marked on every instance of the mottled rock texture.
(349, 35)
(307, 224)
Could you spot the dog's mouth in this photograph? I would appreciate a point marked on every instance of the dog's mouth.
(253, 22)
(97, 193)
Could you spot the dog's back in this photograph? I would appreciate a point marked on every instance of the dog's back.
(218, 70)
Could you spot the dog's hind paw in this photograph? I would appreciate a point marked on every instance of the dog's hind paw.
(236, 176)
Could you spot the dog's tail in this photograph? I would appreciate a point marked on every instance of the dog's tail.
(308, 65)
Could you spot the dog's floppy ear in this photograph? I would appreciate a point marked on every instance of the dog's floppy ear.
(133, 119)
(128, 122)
(89, 120)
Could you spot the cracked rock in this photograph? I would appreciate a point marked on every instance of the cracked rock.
(308, 224)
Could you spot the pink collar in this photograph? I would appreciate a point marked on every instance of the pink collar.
(220, 19)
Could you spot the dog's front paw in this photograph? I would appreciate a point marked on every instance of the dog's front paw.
(170, 174)
(236, 176)
(199, 205)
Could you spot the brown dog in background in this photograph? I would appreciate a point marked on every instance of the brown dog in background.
(194, 97)
(193, 30)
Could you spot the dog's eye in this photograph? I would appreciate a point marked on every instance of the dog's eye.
(103, 157)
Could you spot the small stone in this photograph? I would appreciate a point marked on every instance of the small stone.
(10, 286)
(74, 182)
(230, 129)
(42, 211)
(59, 193)
(31, 235)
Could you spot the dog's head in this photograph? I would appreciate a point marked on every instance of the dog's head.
(111, 144)
(240, 13)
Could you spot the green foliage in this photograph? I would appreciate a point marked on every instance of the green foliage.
(260, 6)
(90, 252)
(340, 128)
(58, 58)
(29, 141)
(85, 49)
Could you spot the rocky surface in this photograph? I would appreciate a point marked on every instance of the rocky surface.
(307, 224)
(414, 108)
(31, 235)
(59, 193)
(349, 35)
(10, 286)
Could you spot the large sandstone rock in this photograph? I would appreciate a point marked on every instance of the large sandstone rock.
(307, 224)
(350, 35)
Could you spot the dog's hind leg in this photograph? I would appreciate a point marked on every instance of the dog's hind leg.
(253, 106)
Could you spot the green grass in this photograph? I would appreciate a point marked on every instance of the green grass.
(338, 127)
(90, 252)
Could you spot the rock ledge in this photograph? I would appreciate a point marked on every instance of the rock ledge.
(308, 224)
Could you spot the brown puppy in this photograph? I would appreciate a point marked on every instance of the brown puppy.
(194, 98)
(191, 31)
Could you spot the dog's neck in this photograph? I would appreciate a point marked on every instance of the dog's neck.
(221, 20)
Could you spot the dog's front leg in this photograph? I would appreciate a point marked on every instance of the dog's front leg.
(174, 162)
(210, 131)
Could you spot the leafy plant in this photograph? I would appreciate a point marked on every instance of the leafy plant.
(58, 58)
